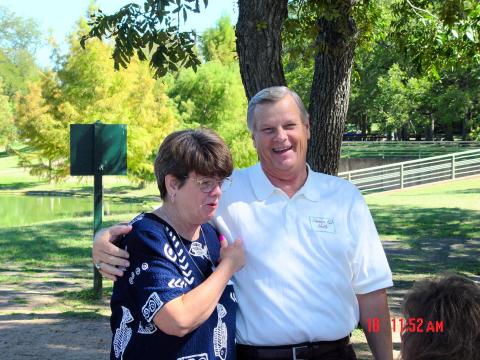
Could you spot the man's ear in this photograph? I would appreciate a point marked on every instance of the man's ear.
(307, 124)
(253, 139)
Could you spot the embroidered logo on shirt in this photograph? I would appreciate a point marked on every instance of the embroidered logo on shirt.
(220, 334)
(180, 258)
(196, 249)
(168, 251)
(148, 329)
(131, 278)
(322, 224)
(152, 306)
(122, 334)
(203, 356)
(176, 283)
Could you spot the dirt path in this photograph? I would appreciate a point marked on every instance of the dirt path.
(48, 336)
(32, 327)
(28, 330)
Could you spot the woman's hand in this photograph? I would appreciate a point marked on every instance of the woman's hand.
(107, 256)
(232, 253)
(185, 313)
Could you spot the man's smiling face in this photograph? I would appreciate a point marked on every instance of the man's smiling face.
(280, 137)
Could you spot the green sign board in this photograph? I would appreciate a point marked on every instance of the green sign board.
(98, 149)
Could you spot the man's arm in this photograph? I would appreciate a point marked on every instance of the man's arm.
(374, 311)
(106, 254)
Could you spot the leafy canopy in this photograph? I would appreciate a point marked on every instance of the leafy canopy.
(151, 31)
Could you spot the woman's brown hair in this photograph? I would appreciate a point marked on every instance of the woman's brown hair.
(199, 150)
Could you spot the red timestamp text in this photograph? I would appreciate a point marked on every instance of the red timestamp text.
(412, 325)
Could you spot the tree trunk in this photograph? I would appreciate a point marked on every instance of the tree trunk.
(331, 90)
(430, 130)
(449, 132)
(465, 124)
(259, 44)
(364, 126)
(405, 133)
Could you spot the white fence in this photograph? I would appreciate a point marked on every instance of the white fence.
(399, 149)
(415, 172)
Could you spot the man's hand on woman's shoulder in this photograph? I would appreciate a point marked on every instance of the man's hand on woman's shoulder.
(108, 258)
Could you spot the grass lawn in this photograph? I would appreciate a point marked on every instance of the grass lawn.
(444, 210)
(431, 229)
(53, 257)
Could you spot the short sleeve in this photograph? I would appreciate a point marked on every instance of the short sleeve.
(370, 266)
(154, 278)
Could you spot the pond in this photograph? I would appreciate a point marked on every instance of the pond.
(18, 210)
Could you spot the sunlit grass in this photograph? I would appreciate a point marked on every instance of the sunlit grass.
(444, 210)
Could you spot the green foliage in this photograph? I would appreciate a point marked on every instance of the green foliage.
(18, 33)
(399, 102)
(149, 32)
(214, 97)
(439, 33)
(218, 43)
(7, 126)
(451, 104)
(19, 39)
(475, 134)
(392, 102)
(85, 89)
(436, 71)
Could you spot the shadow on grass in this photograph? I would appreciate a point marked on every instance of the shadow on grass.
(429, 257)
(464, 191)
(86, 296)
(21, 185)
(80, 191)
(122, 189)
(59, 244)
(139, 199)
(53, 316)
(62, 243)
(426, 223)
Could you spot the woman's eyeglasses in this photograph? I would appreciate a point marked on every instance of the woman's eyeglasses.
(206, 185)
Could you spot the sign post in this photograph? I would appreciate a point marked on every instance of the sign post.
(98, 149)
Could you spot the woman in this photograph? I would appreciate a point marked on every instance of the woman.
(175, 301)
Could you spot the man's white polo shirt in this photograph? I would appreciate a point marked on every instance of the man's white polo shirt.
(306, 257)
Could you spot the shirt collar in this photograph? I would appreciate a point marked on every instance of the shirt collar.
(263, 188)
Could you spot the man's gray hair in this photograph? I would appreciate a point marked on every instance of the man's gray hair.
(272, 95)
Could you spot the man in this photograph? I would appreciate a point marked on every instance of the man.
(314, 263)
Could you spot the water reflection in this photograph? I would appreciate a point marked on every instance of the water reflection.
(22, 210)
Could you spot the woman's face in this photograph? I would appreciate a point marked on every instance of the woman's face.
(198, 198)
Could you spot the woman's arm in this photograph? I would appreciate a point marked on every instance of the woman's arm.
(187, 312)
